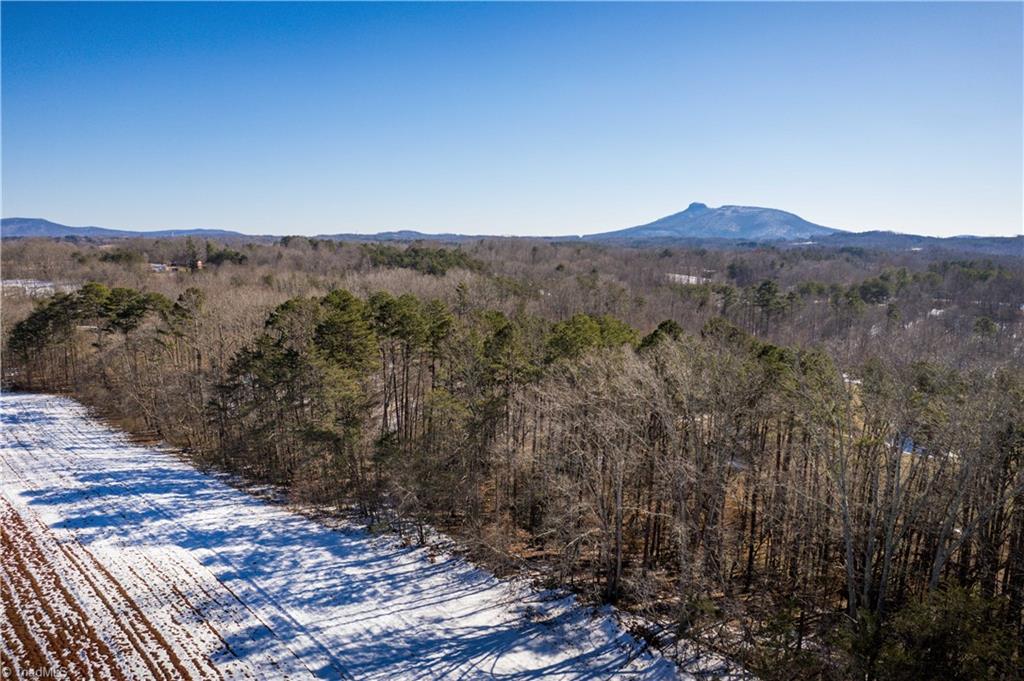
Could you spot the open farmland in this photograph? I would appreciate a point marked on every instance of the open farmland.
(119, 561)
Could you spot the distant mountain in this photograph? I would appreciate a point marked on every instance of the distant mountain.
(38, 227)
(725, 227)
(732, 226)
(893, 241)
(402, 235)
(744, 223)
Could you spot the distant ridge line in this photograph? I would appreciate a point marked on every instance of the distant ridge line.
(727, 226)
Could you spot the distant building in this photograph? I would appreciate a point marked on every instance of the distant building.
(175, 266)
(35, 288)
(686, 279)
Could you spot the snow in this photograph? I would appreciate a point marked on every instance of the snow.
(153, 565)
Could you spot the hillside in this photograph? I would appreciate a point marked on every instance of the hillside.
(894, 241)
(155, 565)
(39, 227)
(583, 414)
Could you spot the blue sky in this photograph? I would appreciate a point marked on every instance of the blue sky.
(511, 118)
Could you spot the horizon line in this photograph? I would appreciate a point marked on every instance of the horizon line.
(143, 232)
(578, 235)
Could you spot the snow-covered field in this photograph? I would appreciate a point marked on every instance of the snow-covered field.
(119, 561)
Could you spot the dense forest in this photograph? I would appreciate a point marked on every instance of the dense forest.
(808, 460)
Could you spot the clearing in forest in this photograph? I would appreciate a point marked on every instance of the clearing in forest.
(119, 561)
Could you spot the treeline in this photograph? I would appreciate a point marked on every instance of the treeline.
(435, 261)
(855, 303)
(806, 518)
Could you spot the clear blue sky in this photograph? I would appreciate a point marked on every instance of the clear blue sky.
(511, 118)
